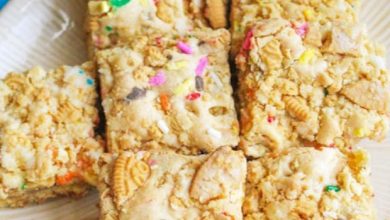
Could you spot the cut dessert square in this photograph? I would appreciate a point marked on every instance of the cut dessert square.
(113, 22)
(319, 12)
(309, 183)
(47, 141)
(329, 93)
(165, 185)
(169, 91)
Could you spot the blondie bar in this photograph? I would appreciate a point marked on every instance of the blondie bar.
(47, 141)
(169, 91)
(165, 185)
(308, 183)
(111, 23)
(323, 89)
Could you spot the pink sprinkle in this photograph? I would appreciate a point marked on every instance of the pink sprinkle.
(184, 48)
(98, 41)
(202, 64)
(271, 119)
(302, 29)
(158, 41)
(158, 79)
(152, 162)
(193, 96)
(332, 145)
(247, 42)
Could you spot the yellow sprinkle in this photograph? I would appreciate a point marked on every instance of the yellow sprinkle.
(183, 87)
(144, 3)
(359, 132)
(309, 14)
(307, 56)
(177, 65)
(98, 8)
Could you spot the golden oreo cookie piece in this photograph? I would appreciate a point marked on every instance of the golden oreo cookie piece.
(216, 13)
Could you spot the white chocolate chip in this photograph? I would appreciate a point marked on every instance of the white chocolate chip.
(214, 133)
(163, 126)
(216, 79)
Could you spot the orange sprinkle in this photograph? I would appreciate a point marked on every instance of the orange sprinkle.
(164, 100)
(251, 93)
(66, 179)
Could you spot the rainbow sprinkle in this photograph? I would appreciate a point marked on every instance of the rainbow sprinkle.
(90, 81)
(183, 87)
(309, 14)
(247, 42)
(199, 85)
(193, 96)
(158, 79)
(302, 30)
(271, 119)
(307, 56)
(177, 65)
(202, 64)
(334, 188)
(359, 132)
(119, 3)
(184, 48)
(108, 28)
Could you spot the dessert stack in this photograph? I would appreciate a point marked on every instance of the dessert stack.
(311, 85)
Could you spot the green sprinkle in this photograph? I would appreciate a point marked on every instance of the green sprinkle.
(90, 81)
(326, 92)
(119, 3)
(23, 186)
(329, 188)
(108, 28)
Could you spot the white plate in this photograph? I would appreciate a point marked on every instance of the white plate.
(50, 33)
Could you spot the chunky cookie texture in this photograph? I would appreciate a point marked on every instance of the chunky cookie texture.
(309, 183)
(169, 92)
(164, 185)
(244, 13)
(326, 88)
(112, 23)
(47, 141)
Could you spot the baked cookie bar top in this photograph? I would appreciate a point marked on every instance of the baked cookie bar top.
(169, 92)
(307, 183)
(326, 88)
(165, 185)
(47, 141)
(113, 22)
(321, 12)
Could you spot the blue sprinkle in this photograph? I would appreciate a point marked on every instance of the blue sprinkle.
(90, 81)
(81, 72)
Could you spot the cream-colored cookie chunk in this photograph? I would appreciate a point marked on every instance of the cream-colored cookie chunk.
(309, 183)
(114, 22)
(165, 185)
(169, 91)
(293, 91)
(47, 141)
